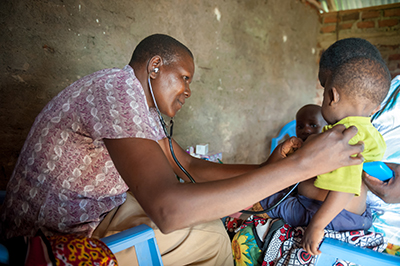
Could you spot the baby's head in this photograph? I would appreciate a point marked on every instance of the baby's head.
(309, 121)
(355, 88)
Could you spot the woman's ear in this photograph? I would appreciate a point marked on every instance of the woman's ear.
(154, 66)
(334, 95)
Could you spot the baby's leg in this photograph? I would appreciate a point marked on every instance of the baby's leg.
(290, 210)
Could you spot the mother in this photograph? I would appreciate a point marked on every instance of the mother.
(100, 137)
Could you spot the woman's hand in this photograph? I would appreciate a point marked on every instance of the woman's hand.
(387, 191)
(330, 150)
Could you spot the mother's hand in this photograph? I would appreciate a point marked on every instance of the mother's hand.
(331, 150)
(387, 191)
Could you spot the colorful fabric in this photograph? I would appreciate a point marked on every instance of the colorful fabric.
(58, 250)
(64, 180)
(80, 250)
(231, 225)
(285, 246)
(245, 250)
(298, 210)
(392, 249)
(246, 245)
(269, 242)
(252, 239)
(348, 179)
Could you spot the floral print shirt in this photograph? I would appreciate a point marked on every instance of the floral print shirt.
(65, 180)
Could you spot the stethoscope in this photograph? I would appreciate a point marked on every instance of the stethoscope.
(169, 136)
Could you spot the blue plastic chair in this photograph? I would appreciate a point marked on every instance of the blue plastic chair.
(4, 257)
(141, 237)
(288, 129)
(333, 249)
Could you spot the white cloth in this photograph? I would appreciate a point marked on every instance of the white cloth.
(387, 216)
(388, 124)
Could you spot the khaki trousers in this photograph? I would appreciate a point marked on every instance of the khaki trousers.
(206, 244)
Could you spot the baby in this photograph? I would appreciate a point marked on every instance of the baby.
(351, 95)
(309, 121)
(337, 200)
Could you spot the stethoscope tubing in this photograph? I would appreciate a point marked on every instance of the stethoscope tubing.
(169, 136)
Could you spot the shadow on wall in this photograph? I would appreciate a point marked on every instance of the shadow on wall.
(16, 123)
(25, 92)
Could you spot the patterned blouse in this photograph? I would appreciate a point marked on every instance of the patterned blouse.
(64, 180)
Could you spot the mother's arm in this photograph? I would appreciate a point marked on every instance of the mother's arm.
(149, 173)
(389, 191)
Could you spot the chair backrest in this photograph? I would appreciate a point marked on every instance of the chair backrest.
(288, 129)
(4, 257)
(332, 249)
(142, 238)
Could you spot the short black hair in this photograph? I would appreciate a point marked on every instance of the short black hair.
(345, 49)
(158, 44)
(313, 107)
(363, 78)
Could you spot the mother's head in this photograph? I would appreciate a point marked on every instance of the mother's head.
(168, 48)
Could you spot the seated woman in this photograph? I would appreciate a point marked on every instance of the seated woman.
(383, 196)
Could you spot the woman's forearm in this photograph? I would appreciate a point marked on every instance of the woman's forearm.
(201, 202)
(172, 205)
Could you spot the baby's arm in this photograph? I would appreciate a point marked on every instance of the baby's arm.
(284, 149)
(334, 203)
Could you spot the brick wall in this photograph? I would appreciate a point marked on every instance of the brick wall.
(379, 25)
